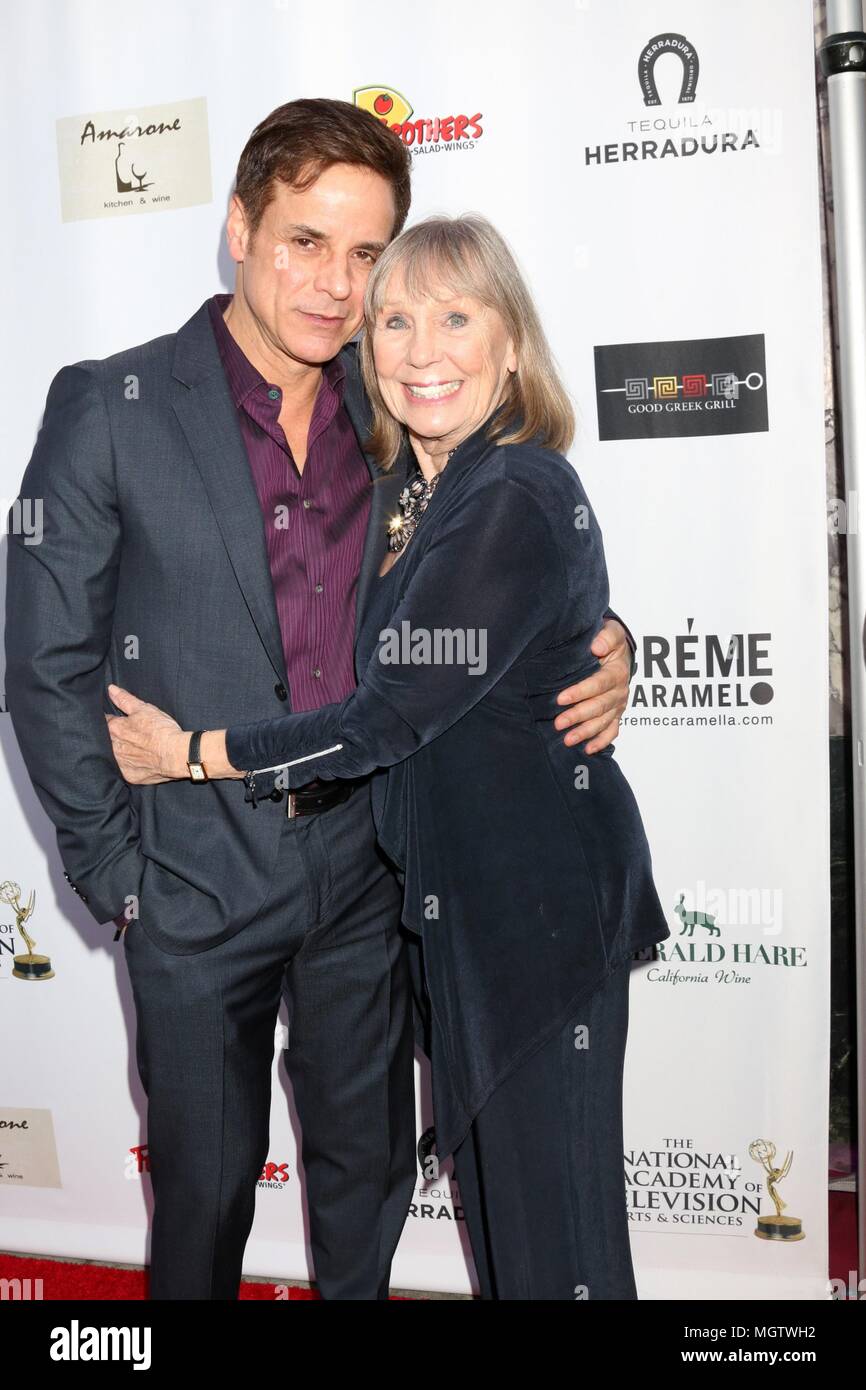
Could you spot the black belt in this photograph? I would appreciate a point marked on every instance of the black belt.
(315, 797)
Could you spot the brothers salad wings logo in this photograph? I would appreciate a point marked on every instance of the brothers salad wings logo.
(424, 135)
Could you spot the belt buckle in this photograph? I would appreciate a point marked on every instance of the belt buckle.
(290, 805)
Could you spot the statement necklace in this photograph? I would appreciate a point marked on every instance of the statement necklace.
(413, 502)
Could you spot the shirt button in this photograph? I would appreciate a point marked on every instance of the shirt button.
(307, 502)
(274, 393)
(319, 588)
(317, 672)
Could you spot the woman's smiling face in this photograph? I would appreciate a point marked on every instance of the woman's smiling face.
(442, 362)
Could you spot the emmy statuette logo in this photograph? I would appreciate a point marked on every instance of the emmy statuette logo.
(776, 1227)
(31, 966)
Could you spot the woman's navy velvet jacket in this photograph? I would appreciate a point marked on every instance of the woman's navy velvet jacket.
(527, 869)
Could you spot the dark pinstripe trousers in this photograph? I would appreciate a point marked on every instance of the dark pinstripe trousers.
(328, 938)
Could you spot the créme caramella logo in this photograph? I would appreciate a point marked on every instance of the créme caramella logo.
(424, 134)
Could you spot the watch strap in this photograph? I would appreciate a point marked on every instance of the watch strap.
(197, 769)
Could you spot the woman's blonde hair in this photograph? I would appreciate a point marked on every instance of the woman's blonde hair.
(467, 256)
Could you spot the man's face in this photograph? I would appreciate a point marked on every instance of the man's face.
(303, 274)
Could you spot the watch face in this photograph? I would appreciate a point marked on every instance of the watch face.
(196, 772)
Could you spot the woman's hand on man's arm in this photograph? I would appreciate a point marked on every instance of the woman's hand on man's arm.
(150, 746)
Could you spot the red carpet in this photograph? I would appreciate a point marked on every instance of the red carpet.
(62, 1279)
(843, 1236)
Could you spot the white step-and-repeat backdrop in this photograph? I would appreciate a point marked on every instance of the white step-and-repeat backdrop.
(654, 166)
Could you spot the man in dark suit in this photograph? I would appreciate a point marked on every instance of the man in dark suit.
(210, 516)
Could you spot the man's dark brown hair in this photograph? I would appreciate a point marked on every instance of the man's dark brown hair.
(299, 141)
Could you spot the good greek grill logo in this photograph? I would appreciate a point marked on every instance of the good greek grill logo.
(426, 134)
(692, 387)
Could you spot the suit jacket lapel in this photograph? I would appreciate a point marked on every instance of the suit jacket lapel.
(208, 418)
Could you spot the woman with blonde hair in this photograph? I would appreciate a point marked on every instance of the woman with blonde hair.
(527, 872)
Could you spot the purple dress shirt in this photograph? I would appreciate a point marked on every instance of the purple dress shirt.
(315, 522)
